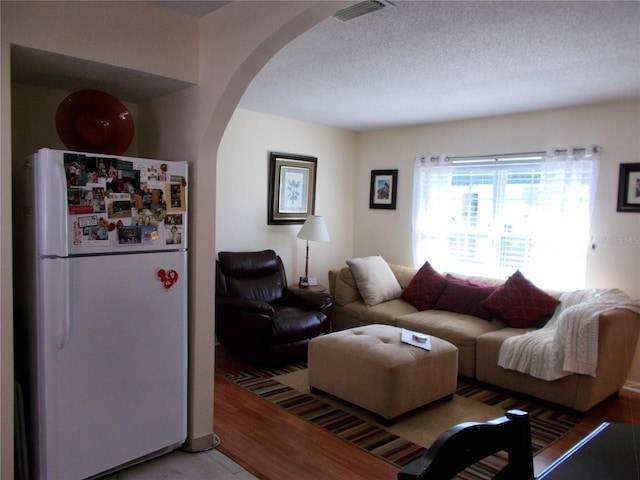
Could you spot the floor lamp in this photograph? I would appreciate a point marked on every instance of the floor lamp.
(313, 230)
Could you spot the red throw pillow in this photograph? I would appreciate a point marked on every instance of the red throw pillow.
(463, 296)
(424, 288)
(519, 303)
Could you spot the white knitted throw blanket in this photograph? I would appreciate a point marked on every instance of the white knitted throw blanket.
(568, 343)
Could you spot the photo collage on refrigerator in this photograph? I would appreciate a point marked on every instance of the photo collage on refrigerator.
(138, 200)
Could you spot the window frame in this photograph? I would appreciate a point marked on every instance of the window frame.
(499, 258)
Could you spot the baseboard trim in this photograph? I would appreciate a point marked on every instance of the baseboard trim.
(201, 444)
(633, 386)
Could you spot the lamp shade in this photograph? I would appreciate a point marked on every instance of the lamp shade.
(314, 229)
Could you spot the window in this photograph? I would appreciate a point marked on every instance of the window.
(490, 217)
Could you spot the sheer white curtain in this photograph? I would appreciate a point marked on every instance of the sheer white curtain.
(491, 217)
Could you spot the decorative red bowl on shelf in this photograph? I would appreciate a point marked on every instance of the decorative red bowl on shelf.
(94, 121)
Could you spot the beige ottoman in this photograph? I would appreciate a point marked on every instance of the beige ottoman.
(371, 367)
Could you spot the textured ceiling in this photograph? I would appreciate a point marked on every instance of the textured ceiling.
(412, 63)
(423, 61)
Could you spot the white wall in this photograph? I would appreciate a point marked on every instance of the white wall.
(615, 262)
(242, 190)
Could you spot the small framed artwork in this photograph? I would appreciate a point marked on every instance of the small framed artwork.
(292, 188)
(629, 188)
(384, 186)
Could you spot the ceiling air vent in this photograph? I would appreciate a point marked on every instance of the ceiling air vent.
(362, 8)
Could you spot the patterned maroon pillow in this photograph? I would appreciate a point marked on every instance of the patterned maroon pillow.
(424, 288)
(519, 303)
(463, 296)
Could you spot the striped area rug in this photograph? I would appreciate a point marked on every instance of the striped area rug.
(547, 424)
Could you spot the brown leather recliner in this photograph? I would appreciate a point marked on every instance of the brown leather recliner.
(258, 318)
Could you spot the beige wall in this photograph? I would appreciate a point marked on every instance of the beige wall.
(221, 53)
(236, 41)
(242, 189)
(133, 35)
(242, 225)
(615, 126)
(615, 262)
(97, 31)
(33, 121)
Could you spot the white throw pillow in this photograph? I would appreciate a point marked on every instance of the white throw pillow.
(375, 280)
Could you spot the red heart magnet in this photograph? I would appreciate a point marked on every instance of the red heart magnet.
(168, 279)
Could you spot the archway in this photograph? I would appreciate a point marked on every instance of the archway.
(279, 24)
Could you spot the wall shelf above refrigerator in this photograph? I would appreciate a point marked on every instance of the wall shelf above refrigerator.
(63, 72)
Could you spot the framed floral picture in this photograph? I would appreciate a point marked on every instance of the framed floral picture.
(292, 188)
(629, 188)
(383, 191)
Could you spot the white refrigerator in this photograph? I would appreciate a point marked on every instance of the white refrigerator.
(105, 305)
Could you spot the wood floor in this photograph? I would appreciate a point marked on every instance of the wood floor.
(273, 444)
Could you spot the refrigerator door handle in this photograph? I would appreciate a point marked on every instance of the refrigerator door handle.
(56, 318)
(53, 225)
(65, 317)
(54, 305)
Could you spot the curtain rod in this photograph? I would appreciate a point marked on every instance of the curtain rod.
(514, 156)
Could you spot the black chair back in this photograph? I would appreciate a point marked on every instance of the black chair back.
(467, 443)
(254, 275)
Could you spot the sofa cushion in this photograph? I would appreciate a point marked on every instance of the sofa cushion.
(463, 296)
(345, 288)
(459, 329)
(519, 303)
(376, 282)
(403, 274)
(495, 282)
(564, 391)
(385, 312)
(425, 287)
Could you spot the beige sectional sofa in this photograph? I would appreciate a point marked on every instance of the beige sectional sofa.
(479, 340)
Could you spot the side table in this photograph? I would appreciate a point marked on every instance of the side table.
(314, 288)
